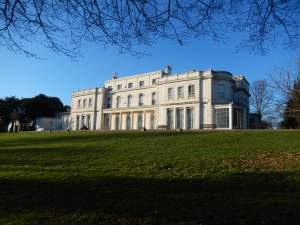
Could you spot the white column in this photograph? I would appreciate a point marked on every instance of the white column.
(144, 119)
(212, 118)
(185, 118)
(230, 116)
(175, 113)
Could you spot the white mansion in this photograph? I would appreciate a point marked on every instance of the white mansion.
(192, 100)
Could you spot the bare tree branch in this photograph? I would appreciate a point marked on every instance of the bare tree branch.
(64, 25)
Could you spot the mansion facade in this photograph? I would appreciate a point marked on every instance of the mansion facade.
(161, 100)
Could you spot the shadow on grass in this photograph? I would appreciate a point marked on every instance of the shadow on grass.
(236, 199)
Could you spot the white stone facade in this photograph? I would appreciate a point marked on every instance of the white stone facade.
(192, 100)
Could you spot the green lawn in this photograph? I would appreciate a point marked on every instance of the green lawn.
(234, 177)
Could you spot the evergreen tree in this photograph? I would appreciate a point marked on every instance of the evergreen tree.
(292, 111)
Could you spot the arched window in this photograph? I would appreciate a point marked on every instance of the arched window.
(118, 101)
(129, 101)
(153, 98)
(141, 99)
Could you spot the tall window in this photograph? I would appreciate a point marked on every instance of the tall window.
(130, 85)
(153, 81)
(238, 118)
(79, 104)
(221, 90)
(118, 101)
(82, 121)
(90, 102)
(106, 121)
(108, 103)
(119, 86)
(190, 119)
(77, 122)
(141, 83)
(129, 101)
(153, 98)
(109, 88)
(170, 119)
(140, 121)
(84, 103)
(179, 118)
(180, 92)
(141, 100)
(170, 93)
(152, 121)
(117, 123)
(222, 118)
(191, 91)
(88, 121)
(128, 122)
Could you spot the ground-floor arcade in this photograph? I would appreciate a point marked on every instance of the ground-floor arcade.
(193, 116)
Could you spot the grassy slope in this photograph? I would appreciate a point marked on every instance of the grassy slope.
(248, 177)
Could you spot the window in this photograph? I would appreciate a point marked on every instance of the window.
(129, 101)
(191, 91)
(79, 104)
(140, 121)
(153, 98)
(90, 102)
(170, 119)
(179, 118)
(141, 100)
(128, 122)
(88, 121)
(130, 85)
(221, 90)
(109, 88)
(106, 121)
(152, 121)
(238, 118)
(190, 118)
(118, 101)
(84, 103)
(222, 118)
(108, 103)
(77, 122)
(180, 92)
(153, 81)
(119, 87)
(141, 83)
(82, 121)
(117, 126)
(170, 93)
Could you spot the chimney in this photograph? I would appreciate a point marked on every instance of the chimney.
(168, 70)
(115, 75)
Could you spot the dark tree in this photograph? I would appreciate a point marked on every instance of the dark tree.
(41, 106)
(292, 110)
(283, 82)
(65, 24)
(7, 107)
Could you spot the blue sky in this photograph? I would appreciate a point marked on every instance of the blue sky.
(59, 76)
